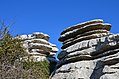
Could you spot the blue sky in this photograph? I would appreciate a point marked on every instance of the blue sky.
(53, 16)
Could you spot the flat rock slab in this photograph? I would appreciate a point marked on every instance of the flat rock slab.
(35, 35)
(88, 37)
(41, 35)
(82, 25)
(84, 29)
(86, 34)
(44, 47)
(94, 47)
(39, 51)
(93, 42)
(36, 40)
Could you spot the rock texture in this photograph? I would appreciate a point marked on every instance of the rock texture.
(37, 46)
(89, 51)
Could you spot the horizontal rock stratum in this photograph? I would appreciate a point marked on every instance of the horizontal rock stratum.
(89, 51)
(37, 46)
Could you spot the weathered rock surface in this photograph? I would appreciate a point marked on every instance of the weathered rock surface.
(84, 29)
(89, 51)
(87, 33)
(81, 25)
(37, 46)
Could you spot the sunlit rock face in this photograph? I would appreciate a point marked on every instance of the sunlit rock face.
(37, 46)
(89, 51)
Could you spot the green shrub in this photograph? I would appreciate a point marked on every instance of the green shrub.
(11, 55)
(39, 70)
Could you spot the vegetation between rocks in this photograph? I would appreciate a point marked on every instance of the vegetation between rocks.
(12, 64)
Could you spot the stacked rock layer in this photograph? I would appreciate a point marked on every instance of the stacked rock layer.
(89, 51)
(37, 46)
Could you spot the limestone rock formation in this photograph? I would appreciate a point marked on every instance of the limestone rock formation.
(89, 51)
(37, 46)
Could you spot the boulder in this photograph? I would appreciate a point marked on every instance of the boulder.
(89, 51)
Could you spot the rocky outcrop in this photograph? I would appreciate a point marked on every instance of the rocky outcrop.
(37, 46)
(89, 51)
